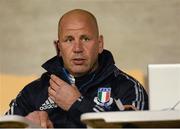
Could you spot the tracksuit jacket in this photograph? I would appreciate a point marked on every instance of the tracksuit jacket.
(99, 91)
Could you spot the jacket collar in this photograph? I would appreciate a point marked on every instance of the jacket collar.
(105, 69)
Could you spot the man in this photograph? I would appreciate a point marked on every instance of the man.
(81, 78)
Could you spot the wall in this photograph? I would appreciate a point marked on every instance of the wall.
(138, 32)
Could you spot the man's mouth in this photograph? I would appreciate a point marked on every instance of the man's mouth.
(78, 61)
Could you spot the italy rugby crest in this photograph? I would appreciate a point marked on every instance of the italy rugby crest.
(103, 97)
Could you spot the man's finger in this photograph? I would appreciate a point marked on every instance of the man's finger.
(34, 117)
(53, 85)
(52, 97)
(58, 81)
(43, 116)
(51, 91)
(50, 124)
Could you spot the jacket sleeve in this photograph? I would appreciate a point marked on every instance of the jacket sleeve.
(22, 104)
(82, 105)
(131, 92)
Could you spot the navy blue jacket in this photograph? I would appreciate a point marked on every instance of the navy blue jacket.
(99, 91)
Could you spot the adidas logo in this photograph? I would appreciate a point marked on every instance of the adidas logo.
(49, 103)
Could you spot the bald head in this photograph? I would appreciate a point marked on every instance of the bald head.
(78, 16)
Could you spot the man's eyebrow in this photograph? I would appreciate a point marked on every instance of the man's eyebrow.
(84, 35)
(68, 36)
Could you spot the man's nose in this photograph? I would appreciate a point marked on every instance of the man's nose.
(78, 47)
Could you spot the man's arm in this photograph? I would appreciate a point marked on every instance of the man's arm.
(22, 105)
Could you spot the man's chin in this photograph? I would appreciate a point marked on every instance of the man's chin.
(79, 72)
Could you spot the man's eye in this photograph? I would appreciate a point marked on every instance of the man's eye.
(85, 39)
(69, 40)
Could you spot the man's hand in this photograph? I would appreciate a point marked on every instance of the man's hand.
(41, 118)
(63, 94)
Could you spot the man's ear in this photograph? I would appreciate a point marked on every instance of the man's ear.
(56, 45)
(101, 43)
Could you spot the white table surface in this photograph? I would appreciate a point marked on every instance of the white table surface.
(133, 118)
(15, 121)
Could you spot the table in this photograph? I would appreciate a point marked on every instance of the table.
(144, 119)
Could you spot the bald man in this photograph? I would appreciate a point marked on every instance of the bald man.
(81, 78)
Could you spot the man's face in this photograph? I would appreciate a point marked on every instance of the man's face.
(79, 45)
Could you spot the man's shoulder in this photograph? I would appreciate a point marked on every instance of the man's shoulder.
(124, 79)
(39, 83)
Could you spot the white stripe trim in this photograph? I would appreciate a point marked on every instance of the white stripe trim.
(50, 100)
(47, 102)
(101, 109)
(143, 102)
(96, 110)
(119, 104)
(140, 98)
(138, 92)
(79, 99)
(12, 109)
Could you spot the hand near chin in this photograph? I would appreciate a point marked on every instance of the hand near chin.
(63, 94)
(41, 118)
